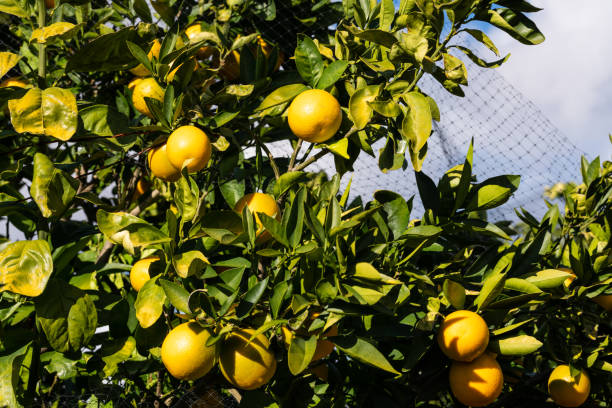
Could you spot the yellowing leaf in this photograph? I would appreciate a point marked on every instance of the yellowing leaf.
(25, 267)
(339, 148)
(360, 110)
(52, 189)
(54, 32)
(129, 230)
(7, 61)
(149, 303)
(14, 7)
(51, 112)
(417, 123)
(189, 263)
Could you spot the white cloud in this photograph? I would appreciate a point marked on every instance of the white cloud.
(569, 76)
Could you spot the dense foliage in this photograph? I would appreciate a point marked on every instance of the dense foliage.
(77, 180)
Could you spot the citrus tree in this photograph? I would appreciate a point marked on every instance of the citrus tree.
(159, 252)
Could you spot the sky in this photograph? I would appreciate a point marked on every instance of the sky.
(569, 75)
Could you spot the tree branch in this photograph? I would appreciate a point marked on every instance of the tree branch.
(296, 150)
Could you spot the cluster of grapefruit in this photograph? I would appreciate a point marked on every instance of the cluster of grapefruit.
(475, 376)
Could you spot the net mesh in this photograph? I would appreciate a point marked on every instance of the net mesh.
(511, 136)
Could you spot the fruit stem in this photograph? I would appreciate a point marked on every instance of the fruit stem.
(298, 146)
(42, 48)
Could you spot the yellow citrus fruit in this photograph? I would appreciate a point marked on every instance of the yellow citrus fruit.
(140, 70)
(148, 88)
(139, 274)
(568, 281)
(185, 354)
(160, 165)
(604, 301)
(266, 50)
(134, 82)
(193, 34)
(463, 335)
(247, 366)
(477, 383)
(15, 82)
(142, 186)
(188, 146)
(314, 116)
(259, 203)
(564, 389)
(231, 68)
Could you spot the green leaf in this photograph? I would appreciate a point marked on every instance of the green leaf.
(380, 37)
(482, 38)
(366, 272)
(521, 285)
(387, 13)
(492, 192)
(308, 60)
(275, 228)
(110, 52)
(363, 351)
(480, 62)
(286, 181)
(251, 298)
(517, 25)
(232, 191)
(339, 148)
(177, 295)
(515, 346)
(116, 352)
(149, 303)
(51, 112)
(360, 110)
(332, 73)
(454, 69)
(491, 288)
(548, 278)
(300, 353)
(186, 198)
(398, 215)
(25, 267)
(388, 108)
(104, 120)
(507, 329)
(10, 364)
(417, 123)
(189, 263)
(455, 293)
(67, 316)
(52, 189)
(129, 230)
(279, 96)
(293, 219)
(57, 363)
(278, 295)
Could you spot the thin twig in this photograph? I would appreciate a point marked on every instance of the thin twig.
(296, 150)
(271, 158)
(320, 154)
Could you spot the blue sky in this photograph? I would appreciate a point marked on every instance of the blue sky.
(569, 76)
